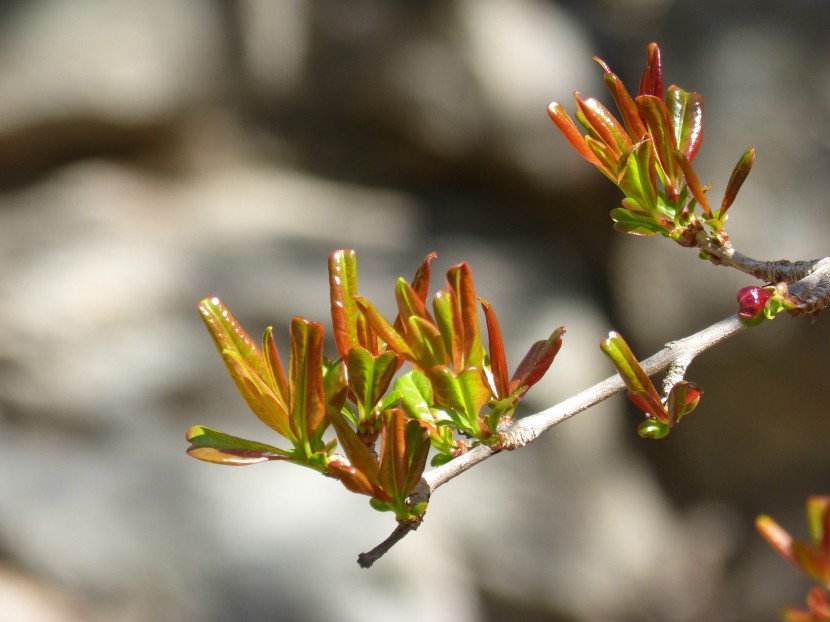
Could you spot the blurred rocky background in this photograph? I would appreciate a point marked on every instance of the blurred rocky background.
(155, 152)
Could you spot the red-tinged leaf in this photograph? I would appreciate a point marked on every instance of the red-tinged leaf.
(625, 104)
(536, 362)
(308, 398)
(229, 335)
(656, 118)
(335, 384)
(449, 326)
(393, 339)
(354, 480)
(393, 458)
(571, 132)
(220, 448)
(607, 128)
(417, 450)
(360, 459)
(686, 114)
(276, 377)
(776, 537)
(819, 604)
(652, 81)
(608, 161)
(369, 377)
(650, 405)
(265, 404)
(465, 304)
(409, 304)
(808, 560)
(736, 180)
(498, 360)
(420, 283)
(628, 367)
(682, 399)
(791, 614)
(426, 343)
(692, 181)
(345, 316)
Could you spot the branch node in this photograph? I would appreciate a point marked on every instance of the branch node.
(366, 560)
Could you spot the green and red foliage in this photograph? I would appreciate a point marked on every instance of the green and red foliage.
(455, 387)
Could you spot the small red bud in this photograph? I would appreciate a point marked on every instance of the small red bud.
(751, 301)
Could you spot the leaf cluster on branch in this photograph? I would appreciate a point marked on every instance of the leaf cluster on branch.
(429, 382)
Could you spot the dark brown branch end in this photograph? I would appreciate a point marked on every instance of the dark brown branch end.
(365, 560)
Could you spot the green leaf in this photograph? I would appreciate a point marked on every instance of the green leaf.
(536, 362)
(369, 378)
(638, 177)
(818, 521)
(498, 360)
(736, 180)
(656, 117)
(346, 319)
(449, 327)
(465, 307)
(448, 394)
(627, 222)
(263, 402)
(415, 393)
(335, 384)
(652, 428)
(409, 303)
(308, 398)
(638, 383)
(686, 114)
(213, 446)
(417, 449)
(426, 343)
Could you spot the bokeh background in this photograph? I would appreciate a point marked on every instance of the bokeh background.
(155, 152)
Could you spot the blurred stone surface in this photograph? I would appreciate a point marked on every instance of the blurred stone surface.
(155, 153)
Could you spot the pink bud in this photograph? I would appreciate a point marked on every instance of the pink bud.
(751, 301)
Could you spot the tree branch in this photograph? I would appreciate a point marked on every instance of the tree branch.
(812, 287)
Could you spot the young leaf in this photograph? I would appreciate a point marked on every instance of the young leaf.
(227, 334)
(267, 406)
(627, 222)
(686, 114)
(345, 317)
(656, 117)
(572, 134)
(693, 183)
(308, 399)
(369, 377)
(276, 375)
(736, 180)
(777, 537)
(638, 177)
(818, 520)
(498, 360)
(362, 472)
(536, 362)
(220, 448)
(465, 306)
(605, 126)
(449, 327)
(625, 104)
(384, 329)
(623, 359)
(415, 393)
(652, 81)
(426, 343)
